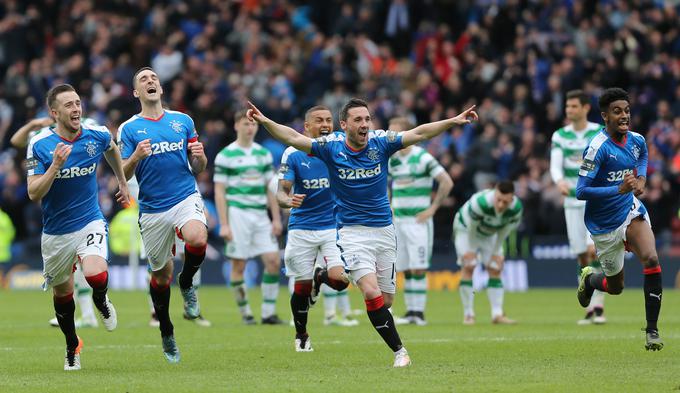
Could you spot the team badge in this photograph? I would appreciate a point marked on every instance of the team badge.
(636, 151)
(91, 148)
(177, 126)
(373, 154)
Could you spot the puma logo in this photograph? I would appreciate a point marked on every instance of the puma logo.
(385, 326)
(341, 154)
(305, 164)
(655, 295)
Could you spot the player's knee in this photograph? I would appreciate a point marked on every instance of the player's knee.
(650, 260)
(388, 301)
(303, 288)
(495, 273)
(162, 280)
(337, 280)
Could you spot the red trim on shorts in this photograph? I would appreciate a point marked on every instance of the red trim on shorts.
(374, 304)
(195, 250)
(651, 270)
(64, 299)
(303, 288)
(98, 280)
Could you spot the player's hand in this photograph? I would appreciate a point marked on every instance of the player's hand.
(296, 200)
(466, 117)
(424, 215)
(563, 186)
(277, 228)
(254, 114)
(628, 185)
(123, 194)
(225, 233)
(143, 149)
(61, 153)
(639, 188)
(41, 122)
(196, 149)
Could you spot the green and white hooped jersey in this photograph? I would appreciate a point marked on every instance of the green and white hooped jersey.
(412, 177)
(479, 216)
(245, 172)
(566, 155)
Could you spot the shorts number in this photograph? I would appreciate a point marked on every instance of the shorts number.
(421, 253)
(91, 238)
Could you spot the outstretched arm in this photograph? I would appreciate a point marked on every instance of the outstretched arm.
(280, 132)
(20, 138)
(430, 130)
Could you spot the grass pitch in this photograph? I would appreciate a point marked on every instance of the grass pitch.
(545, 352)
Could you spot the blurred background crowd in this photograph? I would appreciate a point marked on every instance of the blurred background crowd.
(425, 59)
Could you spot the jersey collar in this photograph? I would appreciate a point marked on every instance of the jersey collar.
(151, 118)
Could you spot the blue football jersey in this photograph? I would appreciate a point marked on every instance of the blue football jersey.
(605, 163)
(309, 176)
(359, 177)
(165, 177)
(72, 201)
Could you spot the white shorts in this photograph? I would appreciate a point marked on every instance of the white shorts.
(160, 229)
(61, 252)
(483, 247)
(579, 237)
(610, 247)
(305, 248)
(252, 234)
(367, 250)
(414, 245)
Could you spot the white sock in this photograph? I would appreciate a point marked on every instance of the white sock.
(330, 297)
(408, 294)
(467, 297)
(419, 288)
(343, 306)
(270, 291)
(495, 293)
(241, 295)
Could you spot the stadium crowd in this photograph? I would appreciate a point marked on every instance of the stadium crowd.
(424, 60)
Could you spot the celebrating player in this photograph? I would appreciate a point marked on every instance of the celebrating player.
(160, 147)
(611, 177)
(480, 228)
(62, 166)
(357, 163)
(568, 144)
(242, 171)
(413, 170)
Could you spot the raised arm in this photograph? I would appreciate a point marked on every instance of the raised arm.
(197, 157)
(282, 133)
(112, 156)
(20, 138)
(430, 130)
(39, 185)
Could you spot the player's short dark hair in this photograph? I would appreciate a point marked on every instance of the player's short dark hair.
(403, 121)
(314, 109)
(610, 95)
(55, 91)
(506, 187)
(240, 115)
(580, 95)
(352, 103)
(134, 77)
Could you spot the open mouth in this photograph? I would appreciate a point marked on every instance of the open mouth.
(151, 90)
(363, 134)
(75, 118)
(623, 123)
(324, 132)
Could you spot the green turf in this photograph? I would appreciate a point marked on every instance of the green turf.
(545, 352)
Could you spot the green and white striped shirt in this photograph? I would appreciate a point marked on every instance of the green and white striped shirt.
(566, 155)
(412, 176)
(479, 216)
(245, 172)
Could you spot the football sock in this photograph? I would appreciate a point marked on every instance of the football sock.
(338, 285)
(193, 257)
(241, 296)
(343, 305)
(494, 291)
(64, 310)
(270, 291)
(597, 281)
(419, 292)
(597, 301)
(382, 321)
(160, 296)
(408, 292)
(330, 297)
(299, 305)
(652, 290)
(467, 297)
(99, 283)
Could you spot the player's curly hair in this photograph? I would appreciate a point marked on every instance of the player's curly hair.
(610, 95)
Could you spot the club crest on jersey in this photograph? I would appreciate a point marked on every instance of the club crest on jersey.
(373, 154)
(91, 148)
(636, 151)
(177, 126)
